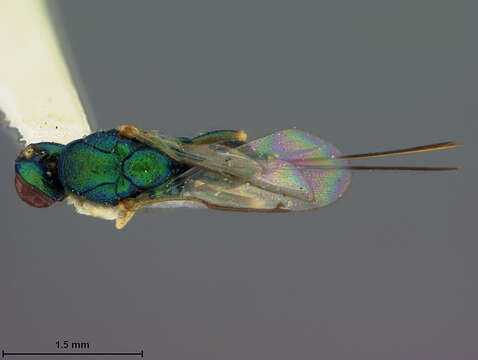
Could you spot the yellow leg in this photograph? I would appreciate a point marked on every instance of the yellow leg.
(128, 208)
(220, 136)
(124, 219)
(131, 206)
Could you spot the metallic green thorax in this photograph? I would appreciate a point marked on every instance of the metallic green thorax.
(105, 168)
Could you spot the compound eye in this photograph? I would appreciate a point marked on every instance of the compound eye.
(30, 194)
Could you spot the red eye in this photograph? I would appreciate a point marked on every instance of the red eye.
(31, 195)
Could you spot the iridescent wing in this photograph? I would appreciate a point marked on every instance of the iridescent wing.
(289, 170)
(314, 159)
(37, 94)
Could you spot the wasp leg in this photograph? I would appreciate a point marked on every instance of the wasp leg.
(231, 138)
(225, 137)
(128, 209)
(124, 219)
(131, 206)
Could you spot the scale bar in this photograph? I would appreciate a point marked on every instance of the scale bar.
(5, 353)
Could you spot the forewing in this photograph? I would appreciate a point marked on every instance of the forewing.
(269, 173)
(37, 93)
(287, 170)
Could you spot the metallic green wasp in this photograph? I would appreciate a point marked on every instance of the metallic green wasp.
(118, 172)
(114, 174)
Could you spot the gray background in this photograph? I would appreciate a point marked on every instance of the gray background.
(388, 272)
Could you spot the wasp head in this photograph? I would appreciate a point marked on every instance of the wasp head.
(36, 175)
